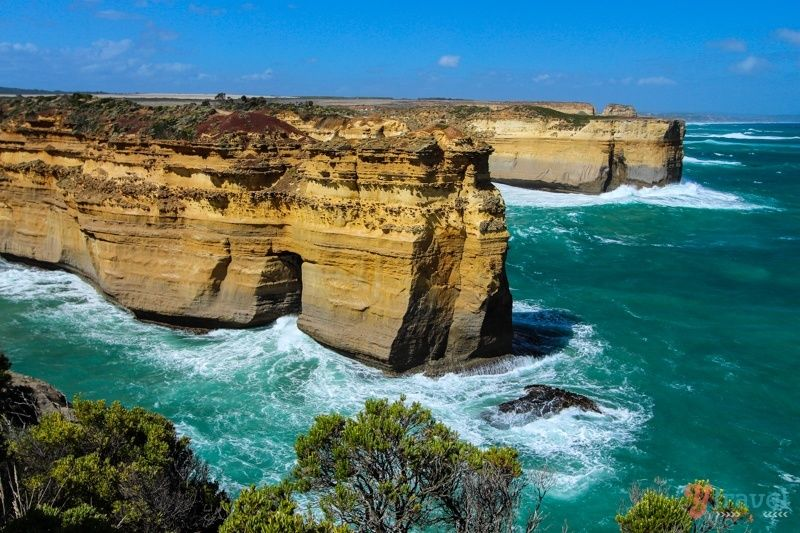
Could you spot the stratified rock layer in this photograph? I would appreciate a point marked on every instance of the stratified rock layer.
(389, 249)
(554, 146)
(582, 154)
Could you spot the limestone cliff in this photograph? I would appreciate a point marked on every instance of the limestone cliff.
(582, 154)
(556, 146)
(619, 110)
(390, 248)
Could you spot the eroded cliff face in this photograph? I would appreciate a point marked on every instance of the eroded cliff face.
(390, 248)
(582, 154)
(555, 146)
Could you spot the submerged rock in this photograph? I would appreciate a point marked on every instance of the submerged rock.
(544, 400)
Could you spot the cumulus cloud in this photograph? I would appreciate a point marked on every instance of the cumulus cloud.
(655, 80)
(449, 61)
(789, 36)
(104, 49)
(18, 47)
(749, 65)
(259, 76)
(730, 45)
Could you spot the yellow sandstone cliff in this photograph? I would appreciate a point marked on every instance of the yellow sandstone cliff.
(555, 146)
(582, 154)
(389, 248)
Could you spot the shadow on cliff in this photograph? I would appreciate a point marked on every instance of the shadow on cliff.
(542, 332)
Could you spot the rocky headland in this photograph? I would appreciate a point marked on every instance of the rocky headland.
(553, 146)
(390, 249)
(378, 225)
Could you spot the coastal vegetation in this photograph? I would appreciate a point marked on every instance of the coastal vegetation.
(389, 468)
(91, 116)
(701, 508)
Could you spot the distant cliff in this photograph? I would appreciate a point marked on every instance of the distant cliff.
(391, 249)
(555, 146)
(582, 154)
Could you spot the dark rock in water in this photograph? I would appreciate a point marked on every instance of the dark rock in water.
(27, 399)
(542, 332)
(544, 400)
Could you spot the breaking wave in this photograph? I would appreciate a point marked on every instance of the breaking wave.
(686, 194)
(244, 395)
(710, 162)
(741, 136)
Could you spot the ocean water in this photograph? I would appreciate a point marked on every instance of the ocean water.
(675, 308)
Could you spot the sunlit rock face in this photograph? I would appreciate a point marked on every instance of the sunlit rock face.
(583, 154)
(389, 244)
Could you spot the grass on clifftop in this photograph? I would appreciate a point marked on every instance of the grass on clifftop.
(109, 117)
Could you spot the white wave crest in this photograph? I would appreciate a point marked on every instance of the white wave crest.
(243, 395)
(710, 162)
(741, 136)
(686, 194)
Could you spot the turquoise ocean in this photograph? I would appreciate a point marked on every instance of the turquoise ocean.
(676, 308)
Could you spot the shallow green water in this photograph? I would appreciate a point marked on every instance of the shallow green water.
(678, 308)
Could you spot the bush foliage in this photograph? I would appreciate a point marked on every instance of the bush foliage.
(109, 467)
(271, 509)
(390, 468)
(393, 467)
(702, 508)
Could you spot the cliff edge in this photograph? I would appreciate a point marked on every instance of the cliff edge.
(389, 248)
(554, 146)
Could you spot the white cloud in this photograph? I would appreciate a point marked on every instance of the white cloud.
(19, 47)
(149, 69)
(113, 14)
(730, 45)
(547, 78)
(655, 80)
(749, 65)
(449, 61)
(259, 76)
(790, 36)
(105, 49)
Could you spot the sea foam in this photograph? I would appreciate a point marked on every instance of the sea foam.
(710, 162)
(741, 136)
(243, 395)
(687, 194)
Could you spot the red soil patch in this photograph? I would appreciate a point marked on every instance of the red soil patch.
(247, 122)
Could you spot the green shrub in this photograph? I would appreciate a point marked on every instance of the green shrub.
(80, 519)
(127, 465)
(271, 509)
(657, 512)
(703, 507)
(393, 468)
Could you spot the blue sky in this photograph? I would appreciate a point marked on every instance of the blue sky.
(677, 56)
